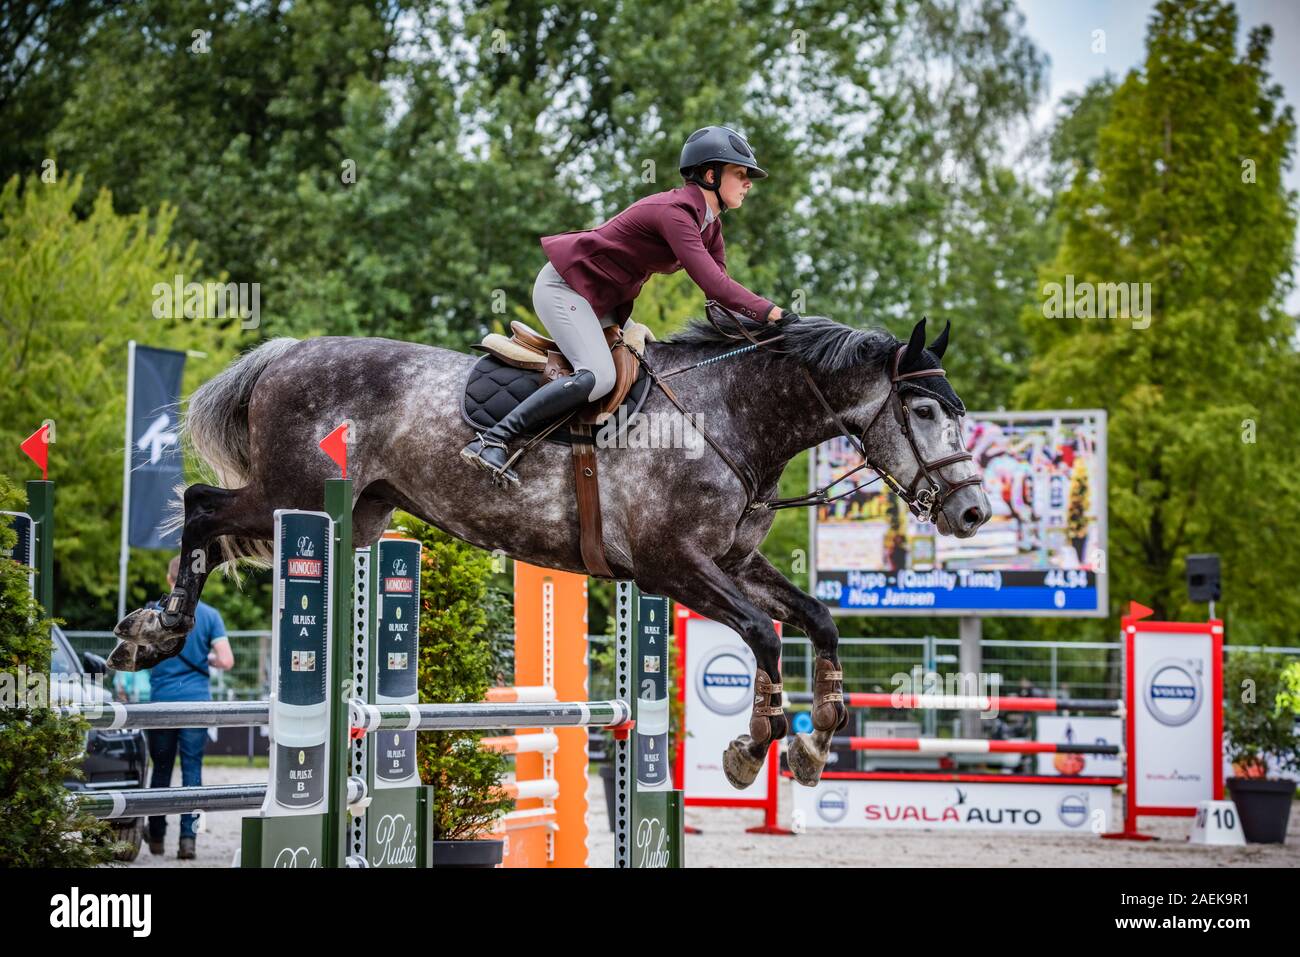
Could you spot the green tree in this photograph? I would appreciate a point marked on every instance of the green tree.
(73, 292)
(388, 168)
(1186, 194)
(39, 826)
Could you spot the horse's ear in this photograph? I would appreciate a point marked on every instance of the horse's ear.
(940, 345)
(915, 346)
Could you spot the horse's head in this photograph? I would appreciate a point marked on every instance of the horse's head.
(914, 439)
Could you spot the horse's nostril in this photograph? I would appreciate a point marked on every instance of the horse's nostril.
(973, 517)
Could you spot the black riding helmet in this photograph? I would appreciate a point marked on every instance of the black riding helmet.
(716, 146)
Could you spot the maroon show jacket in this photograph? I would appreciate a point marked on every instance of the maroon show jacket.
(608, 265)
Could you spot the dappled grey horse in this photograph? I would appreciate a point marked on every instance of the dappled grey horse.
(683, 522)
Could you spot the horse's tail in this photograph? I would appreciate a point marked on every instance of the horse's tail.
(215, 428)
(215, 425)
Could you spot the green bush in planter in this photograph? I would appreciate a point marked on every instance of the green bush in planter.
(461, 656)
(1261, 700)
(39, 825)
(600, 685)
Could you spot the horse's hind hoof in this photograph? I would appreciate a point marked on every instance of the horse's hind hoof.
(132, 656)
(144, 639)
(149, 626)
(739, 765)
(805, 761)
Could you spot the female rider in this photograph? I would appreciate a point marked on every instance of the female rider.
(592, 277)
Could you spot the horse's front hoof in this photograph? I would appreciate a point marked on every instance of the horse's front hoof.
(805, 761)
(739, 765)
(149, 626)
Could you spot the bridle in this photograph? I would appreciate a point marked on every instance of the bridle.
(923, 502)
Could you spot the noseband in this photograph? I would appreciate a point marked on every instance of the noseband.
(923, 502)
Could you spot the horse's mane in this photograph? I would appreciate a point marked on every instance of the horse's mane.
(826, 347)
(822, 344)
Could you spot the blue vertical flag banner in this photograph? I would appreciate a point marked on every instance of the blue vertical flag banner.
(153, 444)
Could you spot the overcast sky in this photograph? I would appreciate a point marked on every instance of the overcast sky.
(1065, 32)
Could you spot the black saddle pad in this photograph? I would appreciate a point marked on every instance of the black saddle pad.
(493, 389)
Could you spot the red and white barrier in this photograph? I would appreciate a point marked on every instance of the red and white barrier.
(969, 746)
(1173, 694)
(1173, 754)
(918, 702)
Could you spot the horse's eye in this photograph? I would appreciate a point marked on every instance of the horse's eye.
(925, 412)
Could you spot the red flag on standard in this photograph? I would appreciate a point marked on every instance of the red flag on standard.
(37, 447)
(1138, 612)
(336, 447)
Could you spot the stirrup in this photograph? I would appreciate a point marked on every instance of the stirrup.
(504, 476)
(475, 456)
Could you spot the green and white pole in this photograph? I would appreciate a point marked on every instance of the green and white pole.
(649, 825)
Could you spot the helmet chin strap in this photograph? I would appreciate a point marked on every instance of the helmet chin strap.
(717, 188)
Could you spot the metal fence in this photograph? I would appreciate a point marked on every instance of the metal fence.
(250, 679)
(1074, 669)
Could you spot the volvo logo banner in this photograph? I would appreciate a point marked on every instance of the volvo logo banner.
(833, 804)
(1173, 691)
(724, 681)
(1073, 810)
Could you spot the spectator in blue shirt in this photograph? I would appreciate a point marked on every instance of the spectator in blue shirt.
(185, 678)
(131, 686)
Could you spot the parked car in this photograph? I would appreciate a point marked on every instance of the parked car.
(113, 759)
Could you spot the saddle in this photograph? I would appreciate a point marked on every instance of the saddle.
(515, 367)
(534, 352)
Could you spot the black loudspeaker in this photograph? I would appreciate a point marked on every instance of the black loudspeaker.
(1203, 577)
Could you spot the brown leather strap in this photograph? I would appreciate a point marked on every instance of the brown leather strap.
(835, 416)
(586, 483)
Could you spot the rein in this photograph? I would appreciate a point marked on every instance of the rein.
(924, 503)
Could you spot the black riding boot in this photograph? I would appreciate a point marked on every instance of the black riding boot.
(550, 402)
